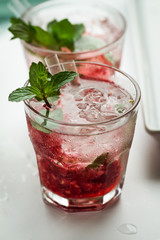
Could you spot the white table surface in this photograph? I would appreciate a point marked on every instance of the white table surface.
(24, 216)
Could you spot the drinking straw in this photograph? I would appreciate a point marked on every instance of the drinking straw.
(59, 67)
(18, 7)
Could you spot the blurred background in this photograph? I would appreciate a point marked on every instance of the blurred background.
(5, 12)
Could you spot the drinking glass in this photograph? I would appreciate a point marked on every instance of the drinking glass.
(82, 145)
(104, 31)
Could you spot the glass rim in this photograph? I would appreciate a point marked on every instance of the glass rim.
(50, 51)
(110, 121)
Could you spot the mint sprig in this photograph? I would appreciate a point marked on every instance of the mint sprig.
(43, 85)
(58, 34)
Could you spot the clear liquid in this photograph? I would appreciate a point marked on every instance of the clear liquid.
(93, 101)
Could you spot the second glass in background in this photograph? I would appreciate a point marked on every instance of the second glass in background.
(101, 42)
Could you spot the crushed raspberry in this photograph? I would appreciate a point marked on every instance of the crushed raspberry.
(78, 182)
(101, 59)
(46, 107)
(95, 71)
(44, 144)
(62, 174)
(65, 49)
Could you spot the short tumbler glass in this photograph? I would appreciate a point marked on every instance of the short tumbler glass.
(104, 31)
(82, 159)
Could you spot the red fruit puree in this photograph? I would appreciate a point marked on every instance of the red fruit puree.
(65, 175)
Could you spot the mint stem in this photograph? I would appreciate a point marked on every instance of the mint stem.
(45, 120)
(46, 101)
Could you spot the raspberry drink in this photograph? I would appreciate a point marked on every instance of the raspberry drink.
(82, 158)
(101, 41)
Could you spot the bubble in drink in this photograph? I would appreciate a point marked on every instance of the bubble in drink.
(88, 104)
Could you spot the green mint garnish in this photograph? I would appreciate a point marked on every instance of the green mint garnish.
(78, 30)
(30, 34)
(110, 162)
(39, 127)
(45, 125)
(43, 85)
(58, 34)
(56, 114)
(100, 160)
(110, 57)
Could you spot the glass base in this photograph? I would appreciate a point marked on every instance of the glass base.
(82, 204)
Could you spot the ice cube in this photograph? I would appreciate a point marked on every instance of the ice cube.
(87, 42)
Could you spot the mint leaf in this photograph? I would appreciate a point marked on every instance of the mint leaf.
(50, 26)
(58, 34)
(58, 80)
(46, 123)
(38, 75)
(79, 29)
(63, 31)
(23, 93)
(42, 37)
(110, 162)
(39, 127)
(100, 160)
(87, 42)
(110, 57)
(57, 114)
(31, 34)
(38, 78)
(21, 30)
(43, 85)
(38, 124)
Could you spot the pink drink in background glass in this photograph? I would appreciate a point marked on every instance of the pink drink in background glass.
(82, 159)
(101, 42)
